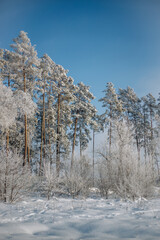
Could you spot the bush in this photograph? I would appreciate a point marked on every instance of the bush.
(14, 177)
(78, 180)
(121, 171)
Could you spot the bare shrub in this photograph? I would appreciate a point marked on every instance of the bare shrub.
(78, 180)
(14, 178)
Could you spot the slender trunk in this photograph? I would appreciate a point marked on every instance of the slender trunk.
(5, 182)
(137, 142)
(26, 140)
(42, 151)
(49, 133)
(28, 148)
(58, 138)
(26, 143)
(7, 137)
(93, 154)
(144, 139)
(74, 141)
(151, 148)
(110, 131)
(80, 143)
(7, 141)
(151, 125)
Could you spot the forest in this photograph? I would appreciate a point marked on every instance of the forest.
(47, 122)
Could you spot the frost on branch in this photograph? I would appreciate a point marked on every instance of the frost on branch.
(8, 109)
(78, 181)
(25, 103)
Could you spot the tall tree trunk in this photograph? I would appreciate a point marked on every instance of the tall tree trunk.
(41, 149)
(26, 140)
(43, 135)
(7, 137)
(58, 139)
(7, 141)
(25, 119)
(28, 148)
(110, 131)
(74, 141)
(49, 133)
(93, 154)
(144, 139)
(80, 143)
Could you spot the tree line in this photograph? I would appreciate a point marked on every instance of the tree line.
(44, 116)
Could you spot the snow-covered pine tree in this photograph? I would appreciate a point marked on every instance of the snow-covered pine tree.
(82, 118)
(145, 126)
(113, 109)
(25, 69)
(43, 88)
(150, 107)
(63, 95)
(132, 110)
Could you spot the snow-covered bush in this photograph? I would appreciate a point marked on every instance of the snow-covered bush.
(14, 177)
(122, 171)
(78, 180)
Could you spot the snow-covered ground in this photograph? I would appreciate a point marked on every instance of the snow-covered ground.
(95, 219)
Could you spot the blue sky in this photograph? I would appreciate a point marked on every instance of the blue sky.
(98, 41)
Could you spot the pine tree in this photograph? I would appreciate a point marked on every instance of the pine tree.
(82, 117)
(25, 69)
(63, 95)
(132, 109)
(113, 108)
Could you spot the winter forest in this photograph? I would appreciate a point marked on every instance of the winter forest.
(47, 122)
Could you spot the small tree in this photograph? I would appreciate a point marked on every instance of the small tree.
(49, 184)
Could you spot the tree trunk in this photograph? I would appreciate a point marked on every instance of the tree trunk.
(93, 154)
(7, 141)
(49, 132)
(26, 140)
(25, 119)
(28, 148)
(7, 137)
(58, 138)
(80, 143)
(41, 149)
(144, 139)
(110, 131)
(43, 135)
(74, 141)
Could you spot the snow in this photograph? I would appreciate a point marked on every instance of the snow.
(95, 219)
